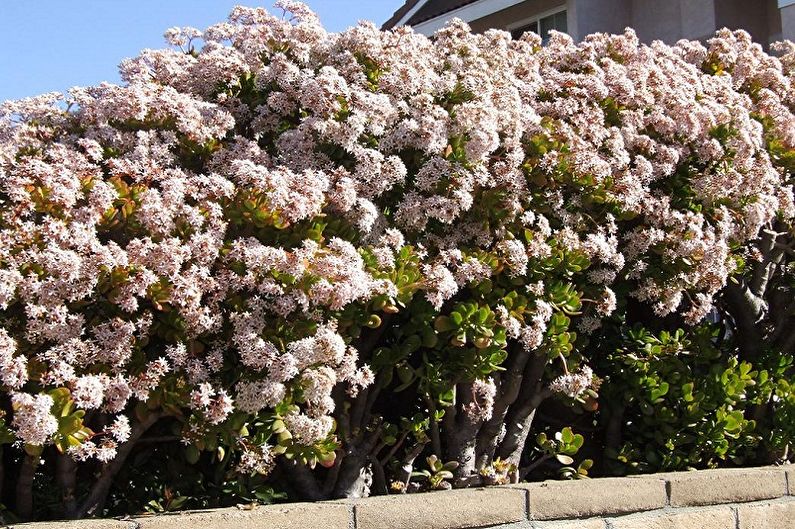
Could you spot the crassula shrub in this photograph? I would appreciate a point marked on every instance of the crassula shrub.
(354, 263)
(682, 400)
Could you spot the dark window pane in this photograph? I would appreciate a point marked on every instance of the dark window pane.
(547, 23)
(556, 22)
(518, 32)
(561, 24)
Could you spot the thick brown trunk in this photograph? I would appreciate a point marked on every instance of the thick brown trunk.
(524, 363)
(2, 472)
(99, 492)
(302, 480)
(461, 448)
(354, 478)
(66, 475)
(747, 310)
(613, 425)
(24, 492)
(512, 447)
(355, 475)
(403, 475)
(519, 419)
(460, 435)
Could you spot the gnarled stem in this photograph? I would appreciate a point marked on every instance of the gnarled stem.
(519, 418)
(99, 492)
(746, 309)
(66, 476)
(25, 486)
(404, 474)
(488, 438)
(303, 480)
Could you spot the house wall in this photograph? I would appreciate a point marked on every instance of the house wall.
(774, 21)
(751, 16)
(788, 22)
(605, 16)
(652, 20)
(668, 20)
(698, 17)
(502, 19)
(673, 20)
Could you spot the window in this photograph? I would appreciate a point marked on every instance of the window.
(542, 25)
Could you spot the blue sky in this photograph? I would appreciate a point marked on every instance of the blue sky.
(52, 45)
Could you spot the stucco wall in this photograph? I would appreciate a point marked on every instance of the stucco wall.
(788, 22)
(652, 19)
(669, 21)
(698, 17)
(604, 16)
(751, 16)
(673, 20)
(773, 21)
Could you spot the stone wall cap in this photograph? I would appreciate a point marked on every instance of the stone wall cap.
(736, 485)
(455, 509)
(76, 524)
(691, 499)
(717, 517)
(768, 515)
(593, 497)
(322, 515)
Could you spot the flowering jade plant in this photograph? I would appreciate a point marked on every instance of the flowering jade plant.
(321, 257)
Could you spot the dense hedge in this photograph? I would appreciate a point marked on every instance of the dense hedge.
(288, 263)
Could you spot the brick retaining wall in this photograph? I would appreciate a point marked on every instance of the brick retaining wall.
(753, 498)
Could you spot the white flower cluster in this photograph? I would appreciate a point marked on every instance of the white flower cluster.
(573, 384)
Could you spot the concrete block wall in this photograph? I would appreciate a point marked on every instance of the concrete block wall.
(753, 498)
